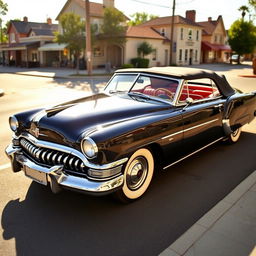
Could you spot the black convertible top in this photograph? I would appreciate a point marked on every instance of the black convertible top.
(187, 74)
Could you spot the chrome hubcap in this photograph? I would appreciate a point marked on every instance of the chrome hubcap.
(137, 173)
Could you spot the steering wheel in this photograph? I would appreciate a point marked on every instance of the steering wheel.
(168, 93)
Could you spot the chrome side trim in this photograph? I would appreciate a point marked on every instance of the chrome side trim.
(54, 146)
(191, 154)
(73, 182)
(189, 129)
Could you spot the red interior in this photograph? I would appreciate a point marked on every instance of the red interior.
(193, 91)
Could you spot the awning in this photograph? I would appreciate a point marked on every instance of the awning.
(207, 46)
(52, 47)
(20, 46)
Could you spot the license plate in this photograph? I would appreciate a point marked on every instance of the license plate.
(37, 176)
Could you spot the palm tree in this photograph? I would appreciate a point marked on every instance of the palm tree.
(244, 9)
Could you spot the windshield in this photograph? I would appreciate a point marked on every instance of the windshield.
(144, 85)
(121, 83)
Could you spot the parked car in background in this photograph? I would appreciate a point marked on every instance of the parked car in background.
(234, 58)
(111, 142)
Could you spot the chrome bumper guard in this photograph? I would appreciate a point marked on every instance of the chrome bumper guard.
(57, 178)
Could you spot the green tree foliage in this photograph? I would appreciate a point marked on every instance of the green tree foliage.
(73, 34)
(244, 9)
(113, 27)
(140, 17)
(242, 37)
(3, 11)
(3, 8)
(145, 49)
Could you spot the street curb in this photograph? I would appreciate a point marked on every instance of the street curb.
(58, 77)
(195, 232)
(248, 76)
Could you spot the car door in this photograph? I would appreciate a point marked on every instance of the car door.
(202, 115)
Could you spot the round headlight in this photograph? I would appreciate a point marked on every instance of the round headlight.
(89, 148)
(14, 124)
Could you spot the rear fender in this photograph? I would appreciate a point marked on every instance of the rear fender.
(239, 110)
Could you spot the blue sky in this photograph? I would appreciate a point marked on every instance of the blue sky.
(39, 10)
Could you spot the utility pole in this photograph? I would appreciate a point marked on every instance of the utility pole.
(88, 48)
(172, 29)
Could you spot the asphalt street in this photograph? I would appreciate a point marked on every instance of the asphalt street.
(36, 222)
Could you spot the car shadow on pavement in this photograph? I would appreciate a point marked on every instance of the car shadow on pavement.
(75, 224)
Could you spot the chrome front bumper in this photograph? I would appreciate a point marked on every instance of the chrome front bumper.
(57, 177)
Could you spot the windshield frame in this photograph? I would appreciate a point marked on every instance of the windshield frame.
(138, 74)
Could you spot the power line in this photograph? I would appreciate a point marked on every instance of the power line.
(162, 6)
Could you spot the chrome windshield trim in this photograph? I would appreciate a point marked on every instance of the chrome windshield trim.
(72, 151)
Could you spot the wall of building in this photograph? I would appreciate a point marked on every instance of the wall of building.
(132, 45)
(188, 45)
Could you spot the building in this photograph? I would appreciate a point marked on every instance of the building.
(186, 37)
(186, 46)
(214, 38)
(101, 52)
(25, 39)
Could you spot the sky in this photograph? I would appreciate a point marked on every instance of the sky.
(40, 10)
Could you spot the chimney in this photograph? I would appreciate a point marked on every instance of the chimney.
(108, 3)
(191, 15)
(49, 21)
(25, 19)
(209, 19)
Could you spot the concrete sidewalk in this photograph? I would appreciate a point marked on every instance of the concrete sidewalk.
(228, 229)
(55, 72)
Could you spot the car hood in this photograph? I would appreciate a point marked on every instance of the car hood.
(65, 123)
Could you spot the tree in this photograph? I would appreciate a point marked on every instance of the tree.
(252, 5)
(244, 9)
(145, 49)
(242, 37)
(3, 8)
(3, 11)
(140, 17)
(113, 27)
(73, 34)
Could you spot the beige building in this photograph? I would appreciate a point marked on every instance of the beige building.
(214, 37)
(186, 37)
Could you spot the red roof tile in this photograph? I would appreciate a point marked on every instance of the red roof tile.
(143, 32)
(168, 20)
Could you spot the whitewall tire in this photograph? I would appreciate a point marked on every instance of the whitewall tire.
(234, 136)
(137, 175)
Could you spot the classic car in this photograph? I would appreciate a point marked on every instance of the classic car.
(144, 119)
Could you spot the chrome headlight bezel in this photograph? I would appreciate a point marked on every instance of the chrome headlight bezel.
(14, 124)
(89, 148)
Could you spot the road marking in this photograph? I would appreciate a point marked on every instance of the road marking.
(5, 166)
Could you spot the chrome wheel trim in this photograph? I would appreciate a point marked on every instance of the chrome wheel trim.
(138, 174)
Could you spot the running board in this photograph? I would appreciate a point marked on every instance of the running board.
(191, 154)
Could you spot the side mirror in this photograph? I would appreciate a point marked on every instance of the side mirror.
(189, 102)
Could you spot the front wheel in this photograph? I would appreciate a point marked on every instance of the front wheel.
(137, 176)
(234, 136)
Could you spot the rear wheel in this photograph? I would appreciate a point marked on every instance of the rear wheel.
(137, 176)
(234, 136)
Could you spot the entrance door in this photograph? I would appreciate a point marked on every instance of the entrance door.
(114, 55)
(190, 56)
(18, 58)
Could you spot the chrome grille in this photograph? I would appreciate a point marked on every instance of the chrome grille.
(53, 157)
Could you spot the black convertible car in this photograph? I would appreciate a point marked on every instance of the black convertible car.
(112, 142)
